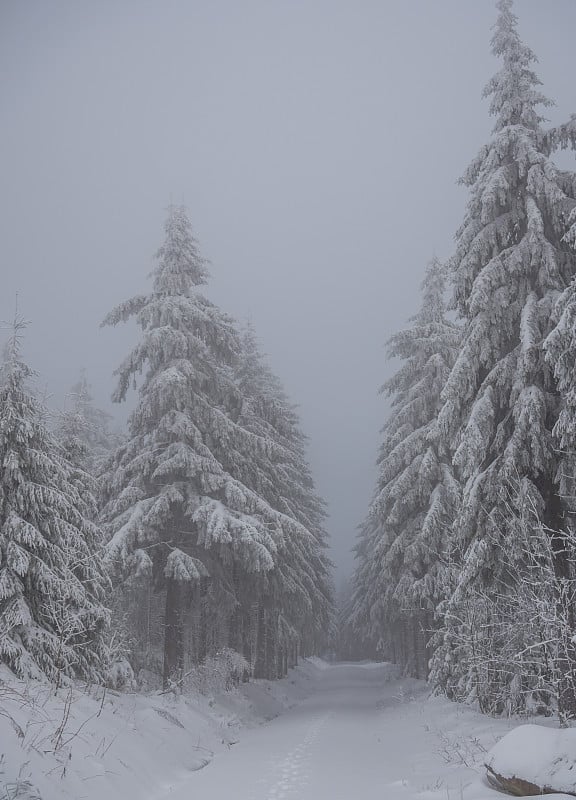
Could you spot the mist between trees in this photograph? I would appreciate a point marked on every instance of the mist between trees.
(195, 539)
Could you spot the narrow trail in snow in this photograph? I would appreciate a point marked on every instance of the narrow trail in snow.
(341, 743)
(292, 769)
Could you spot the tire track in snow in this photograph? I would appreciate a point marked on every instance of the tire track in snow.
(290, 771)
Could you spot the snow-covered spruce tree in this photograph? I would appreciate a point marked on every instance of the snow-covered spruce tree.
(560, 354)
(563, 136)
(176, 507)
(501, 399)
(349, 643)
(365, 603)
(83, 430)
(401, 572)
(52, 585)
(296, 595)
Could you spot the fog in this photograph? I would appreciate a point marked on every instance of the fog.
(316, 144)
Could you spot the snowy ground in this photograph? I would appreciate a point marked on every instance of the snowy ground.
(94, 745)
(360, 734)
(338, 732)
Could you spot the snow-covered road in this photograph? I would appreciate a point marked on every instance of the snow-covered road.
(360, 734)
(344, 741)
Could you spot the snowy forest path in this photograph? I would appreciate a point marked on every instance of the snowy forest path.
(343, 741)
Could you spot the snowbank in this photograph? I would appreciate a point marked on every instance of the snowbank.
(88, 745)
(532, 760)
(91, 744)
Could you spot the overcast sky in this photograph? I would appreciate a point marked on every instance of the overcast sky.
(316, 144)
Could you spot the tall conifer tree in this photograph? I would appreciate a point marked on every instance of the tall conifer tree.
(82, 429)
(401, 555)
(501, 399)
(300, 593)
(52, 584)
(186, 498)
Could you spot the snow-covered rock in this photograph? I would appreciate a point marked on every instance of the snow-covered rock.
(534, 760)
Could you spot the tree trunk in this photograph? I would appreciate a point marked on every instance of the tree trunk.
(271, 647)
(261, 649)
(428, 631)
(236, 635)
(203, 629)
(415, 670)
(405, 644)
(173, 634)
(555, 520)
(421, 636)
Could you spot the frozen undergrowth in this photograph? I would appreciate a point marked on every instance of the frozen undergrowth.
(336, 732)
(86, 744)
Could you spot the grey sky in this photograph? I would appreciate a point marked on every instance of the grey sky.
(316, 144)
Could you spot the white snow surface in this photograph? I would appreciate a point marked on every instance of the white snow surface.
(543, 756)
(89, 745)
(326, 732)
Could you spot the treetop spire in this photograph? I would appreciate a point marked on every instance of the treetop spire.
(513, 88)
(180, 264)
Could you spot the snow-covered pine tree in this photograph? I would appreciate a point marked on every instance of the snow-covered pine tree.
(297, 594)
(365, 606)
(400, 576)
(176, 507)
(560, 353)
(83, 430)
(349, 643)
(563, 136)
(500, 401)
(52, 584)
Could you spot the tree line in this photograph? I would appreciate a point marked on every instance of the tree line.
(195, 534)
(466, 562)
